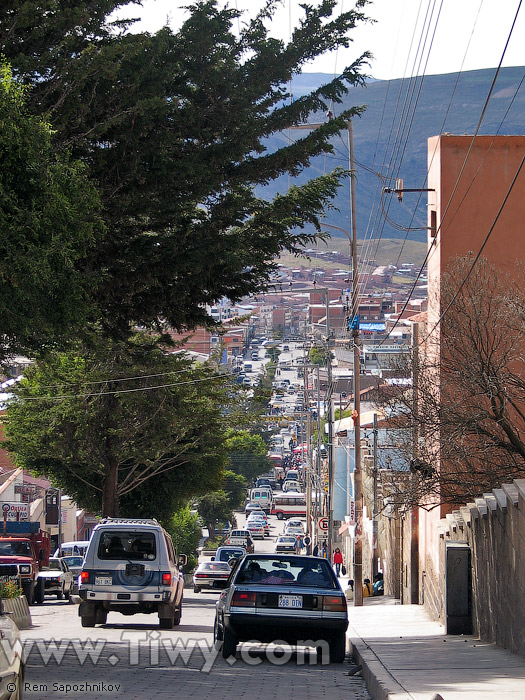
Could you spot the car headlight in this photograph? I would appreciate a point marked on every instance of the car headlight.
(25, 569)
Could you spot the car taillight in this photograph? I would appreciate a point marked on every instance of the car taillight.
(84, 577)
(334, 603)
(243, 599)
(166, 579)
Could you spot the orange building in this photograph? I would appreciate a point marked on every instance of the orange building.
(476, 202)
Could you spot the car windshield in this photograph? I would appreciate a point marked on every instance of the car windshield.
(73, 561)
(22, 549)
(294, 571)
(127, 545)
(54, 565)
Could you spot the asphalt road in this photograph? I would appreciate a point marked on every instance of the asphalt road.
(129, 657)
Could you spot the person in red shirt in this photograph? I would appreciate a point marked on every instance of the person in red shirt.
(338, 560)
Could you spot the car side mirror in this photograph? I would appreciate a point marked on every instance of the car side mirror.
(41, 555)
(183, 560)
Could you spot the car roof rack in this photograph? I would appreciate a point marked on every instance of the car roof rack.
(129, 521)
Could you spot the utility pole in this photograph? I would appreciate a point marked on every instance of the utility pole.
(329, 415)
(358, 481)
(414, 511)
(374, 501)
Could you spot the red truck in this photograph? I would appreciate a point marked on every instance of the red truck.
(25, 546)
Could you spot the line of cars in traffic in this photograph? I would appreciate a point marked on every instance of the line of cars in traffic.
(284, 595)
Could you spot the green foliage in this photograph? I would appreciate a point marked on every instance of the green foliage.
(175, 129)
(247, 454)
(185, 532)
(235, 488)
(320, 356)
(10, 589)
(121, 425)
(213, 507)
(49, 218)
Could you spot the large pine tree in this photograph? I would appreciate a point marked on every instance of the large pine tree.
(174, 127)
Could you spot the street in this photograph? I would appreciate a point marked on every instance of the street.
(130, 657)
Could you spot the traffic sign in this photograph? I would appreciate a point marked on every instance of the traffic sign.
(322, 523)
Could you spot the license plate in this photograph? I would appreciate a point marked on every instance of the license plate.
(290, 601)
(103, 580)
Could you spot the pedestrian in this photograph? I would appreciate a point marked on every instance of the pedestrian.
(307, 542)
(349, 593)
(299, 544)
(316, 550)
(338, 560)
(378, 586)
(368, 591)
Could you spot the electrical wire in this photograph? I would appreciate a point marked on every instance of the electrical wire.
(478, 255)
(462, 169)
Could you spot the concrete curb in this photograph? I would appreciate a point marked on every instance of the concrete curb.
(379, 681)
(20, 611)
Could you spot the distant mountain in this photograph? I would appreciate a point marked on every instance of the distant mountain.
(390, 139)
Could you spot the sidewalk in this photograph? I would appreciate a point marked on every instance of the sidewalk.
(407, 656)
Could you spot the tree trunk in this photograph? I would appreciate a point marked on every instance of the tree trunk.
(110, 499)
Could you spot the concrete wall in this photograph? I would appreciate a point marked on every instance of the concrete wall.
(494, 527)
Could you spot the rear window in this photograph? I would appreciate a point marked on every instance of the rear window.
(227, 554)
(124, 546)
(296, 572)
(215, 566)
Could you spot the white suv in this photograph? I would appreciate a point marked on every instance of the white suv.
(131, 567)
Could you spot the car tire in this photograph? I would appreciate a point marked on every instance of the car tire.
(338, 648)
(229, 644)
(217, 635)
(196, 589)
(60, 595)
(166, 623)
(101, 617)
(280, 516)
(177, 616)
(88, 620)
(29, 592)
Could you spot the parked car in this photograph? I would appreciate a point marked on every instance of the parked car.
(253, 508)
(241, 538)
(294, 526)
(262, 519)
(256, 529)
(282, 597)
(210, 574)
(68, 549)
(12, 664)
(74, 564)
(131, 567)
(294, 531)
(58, 579)
(226, 553)
(286, 543)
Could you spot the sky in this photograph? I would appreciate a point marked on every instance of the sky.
(409, 37)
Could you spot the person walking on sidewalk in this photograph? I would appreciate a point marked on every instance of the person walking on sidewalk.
(338, 560)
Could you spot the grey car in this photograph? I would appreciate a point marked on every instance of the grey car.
(286, 597)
